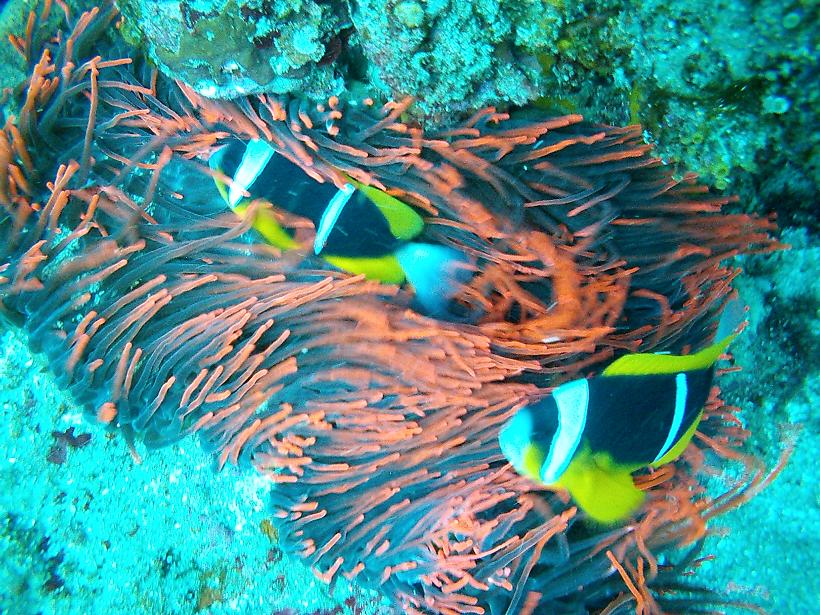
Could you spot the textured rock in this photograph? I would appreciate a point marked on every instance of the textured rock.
(455, 56)
(229, 49)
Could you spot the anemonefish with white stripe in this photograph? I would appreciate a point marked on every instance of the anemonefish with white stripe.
(359, 229)
(590, 434)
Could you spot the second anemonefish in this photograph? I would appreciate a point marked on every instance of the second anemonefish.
(589, 435)
(359, 229)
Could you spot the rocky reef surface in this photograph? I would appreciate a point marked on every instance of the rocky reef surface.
(727, 88)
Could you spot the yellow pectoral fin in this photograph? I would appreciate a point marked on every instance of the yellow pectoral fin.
(607, 495)
(382, 268)
(404, 222)
(266, 224)
(222, 188)
(531, 461)
(649, 363)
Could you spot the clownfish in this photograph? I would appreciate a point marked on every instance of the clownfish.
(358, 228)
(590, 434)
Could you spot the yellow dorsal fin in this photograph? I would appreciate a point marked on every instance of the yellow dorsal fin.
(265, 223)
(642, 364)
(604, 491)
(404, 222)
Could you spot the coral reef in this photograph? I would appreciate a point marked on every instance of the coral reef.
(163, 315)
(454, 56)
(780, 388)
(729, 96)
(785, 322)
(105, 533)
(728, 89)
(229, 49)
(13, 65)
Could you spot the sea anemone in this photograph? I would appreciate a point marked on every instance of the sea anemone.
(164, 315)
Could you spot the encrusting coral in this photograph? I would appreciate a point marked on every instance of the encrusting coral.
(228, 49)
(165, 316)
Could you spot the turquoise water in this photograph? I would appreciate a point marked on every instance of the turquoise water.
(105, 532)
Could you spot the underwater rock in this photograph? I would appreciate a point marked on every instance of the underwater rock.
(226, 50)
(728, 88)
(455, 56)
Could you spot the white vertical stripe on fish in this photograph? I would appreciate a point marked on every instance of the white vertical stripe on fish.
(681, 393)
(254, 160)
(572, 400)
(331, 215)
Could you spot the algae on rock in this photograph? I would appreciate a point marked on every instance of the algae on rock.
(239, 47)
